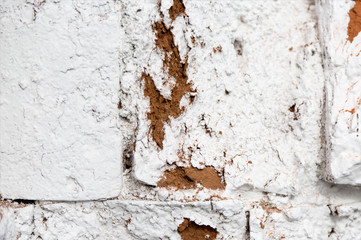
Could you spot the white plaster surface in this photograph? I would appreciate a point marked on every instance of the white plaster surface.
(16, 221)
(299, 222)
(343, 92)
(305, 221)
(120, 220)
(347, 220)
(59, 123)
(257, 118)
(240, 121)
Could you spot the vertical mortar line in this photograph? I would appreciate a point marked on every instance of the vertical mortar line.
(248, 230)
(120, 90)
(323, 165)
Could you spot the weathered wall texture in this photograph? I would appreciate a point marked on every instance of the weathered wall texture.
(343, 88)
(59, 85)
(180, 119)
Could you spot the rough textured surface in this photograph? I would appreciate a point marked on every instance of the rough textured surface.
(235, 92)
(190, 230)
(354, 25)
(186, 178)
(343, 89)
(299, 222)
(346, 221)
(60, 135)
(215, 110)
(122, 220)
(16, 221)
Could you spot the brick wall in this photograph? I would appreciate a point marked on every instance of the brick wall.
(180, 119)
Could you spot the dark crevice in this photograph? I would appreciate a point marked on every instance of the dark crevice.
(331, 232)
(238, 46)
(24, 201)
(128, 155)
(248, 230)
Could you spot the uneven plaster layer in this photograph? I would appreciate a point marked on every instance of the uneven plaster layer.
(256, 114)
(342, 63)
(60, 136)
(116, 219)
(255, 117)
(305, 222)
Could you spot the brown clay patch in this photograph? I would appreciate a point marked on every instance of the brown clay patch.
(177, 9)
(189, 230)
(161, 109)
(187, 178)
(354, 26)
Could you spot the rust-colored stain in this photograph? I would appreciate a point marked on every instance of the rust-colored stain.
(261, 224)
(269, 208)
(217, 49)
(352, 111)
(182, 178)
(189, 230)
(354, 26)
(161, 109)
(177, 9)
(292, 108)
(127, 222)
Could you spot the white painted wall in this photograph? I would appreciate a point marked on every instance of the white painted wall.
(60, 137)
(259, 117)
(343, 93)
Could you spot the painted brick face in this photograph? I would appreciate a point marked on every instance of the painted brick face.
(233, 89)
(343, 88)
(180, 119)
(60, 137)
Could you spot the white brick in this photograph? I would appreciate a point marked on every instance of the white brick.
(239, 122)
(16, 221)
(299, 222)
(127, 220)
(343, 88)
(59, 94)
(255, 126)
(347, 221)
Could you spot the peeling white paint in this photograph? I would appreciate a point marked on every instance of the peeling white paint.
(121, 220)
(257, 118)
